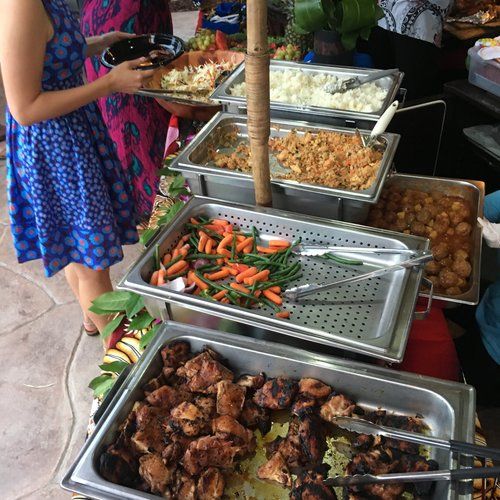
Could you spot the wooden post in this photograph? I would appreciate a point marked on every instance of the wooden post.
(257, 90)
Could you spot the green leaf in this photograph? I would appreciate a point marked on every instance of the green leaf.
(135, 305)
(148, 337)
(115, 367)
(141, 321)
(115, 301)
(310, 15)
(97, 310)
(174, 209)
(102, 384)
(112, 326)
(177, 187)
(146, 235)
(165, 171)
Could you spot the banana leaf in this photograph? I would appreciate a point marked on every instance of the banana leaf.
(356, 18)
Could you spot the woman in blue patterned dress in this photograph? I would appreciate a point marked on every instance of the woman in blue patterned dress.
(69, 203)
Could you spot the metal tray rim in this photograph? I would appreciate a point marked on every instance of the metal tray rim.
(388, 347)
(464, 397)
(183, 162)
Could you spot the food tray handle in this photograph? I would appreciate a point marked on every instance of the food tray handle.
(423, 314)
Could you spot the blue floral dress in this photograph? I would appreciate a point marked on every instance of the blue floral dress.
(68, 197)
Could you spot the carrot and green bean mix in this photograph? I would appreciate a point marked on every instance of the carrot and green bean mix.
(220, 262)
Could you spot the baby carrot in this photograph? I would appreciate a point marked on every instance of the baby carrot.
(268, 249)
(262, 276)
(225, 300)
(202, 242)
(283, 314)
(273, 297)
(161, 277)
(220, 222)
(240, 238)
(223, 273)
(193, 221)
(216, 229)
(275, 289)
(200, 283)
(240, 288)
(258, 293)
(247, 249)
(279, 243)
(245, 243)
(239, 267)
(166, 259)
(176, 268)
(190, 278)
(251, 271)
(232, 271)
(154, 278)
(183, 240)
(224, 243)
(209, 246)
(225, 252)
(175, 253)
(219, 295)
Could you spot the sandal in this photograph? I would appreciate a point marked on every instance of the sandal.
(89, 327)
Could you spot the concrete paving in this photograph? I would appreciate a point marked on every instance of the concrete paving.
(46, 363)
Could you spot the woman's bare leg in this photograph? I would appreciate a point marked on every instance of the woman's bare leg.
(92, 284)
(72, 279)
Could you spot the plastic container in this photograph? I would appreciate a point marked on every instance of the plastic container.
(484, 74)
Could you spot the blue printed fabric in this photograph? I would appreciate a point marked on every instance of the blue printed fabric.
(68, 198)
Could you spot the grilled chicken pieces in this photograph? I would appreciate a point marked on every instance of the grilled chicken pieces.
(276, 394)
(196, 424)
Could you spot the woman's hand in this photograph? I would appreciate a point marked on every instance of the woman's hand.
(126, 78)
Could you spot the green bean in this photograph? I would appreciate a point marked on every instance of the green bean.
(232, 299)
(195, 256)
(283, 281)
(233, 247)
(210, 282)
(157, 257)
(208, 268)
(241, 294)
(178, 275)
(255, 236)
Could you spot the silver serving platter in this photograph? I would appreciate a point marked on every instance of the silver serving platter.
(372, 317)
(473, 192)
(448, 407)
(391, 84)
(194, 158)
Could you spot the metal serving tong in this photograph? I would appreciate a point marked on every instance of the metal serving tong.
(318, 250)
(357, 81)
(417, 259)
(362, 426)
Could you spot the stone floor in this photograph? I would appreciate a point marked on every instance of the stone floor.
(46, 363)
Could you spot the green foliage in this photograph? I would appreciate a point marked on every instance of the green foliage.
(102, 384)
(112, 326)
(148, 337)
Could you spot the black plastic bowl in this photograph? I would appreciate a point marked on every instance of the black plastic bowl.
(160, 49)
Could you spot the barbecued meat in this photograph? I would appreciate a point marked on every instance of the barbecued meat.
(309, 486)
(206, 405)
(312, 388)
(275, 470)
(255, 417)
(168, 372)
(337, 406)
(184, 486)
(176, 354)
(229, 427)
(118, 465)
(152, 429)
(210, 451)
(203, 372)
(382, 491)
(312, 440)
(210, 485)
(187, 418)
(230, 398)
(172, 453)
(276, 394)
(165, 396)
(365, 441)
(376, 461)
(304, 404)
(416, 463)
(252, 382)
(155, 473)
(153, 385)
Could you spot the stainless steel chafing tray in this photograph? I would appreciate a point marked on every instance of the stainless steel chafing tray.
(471, 191)
(206, 179)
(311, 113)
(372, 317)
(448, 407)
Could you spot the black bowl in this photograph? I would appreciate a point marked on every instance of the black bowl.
(159, 49)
